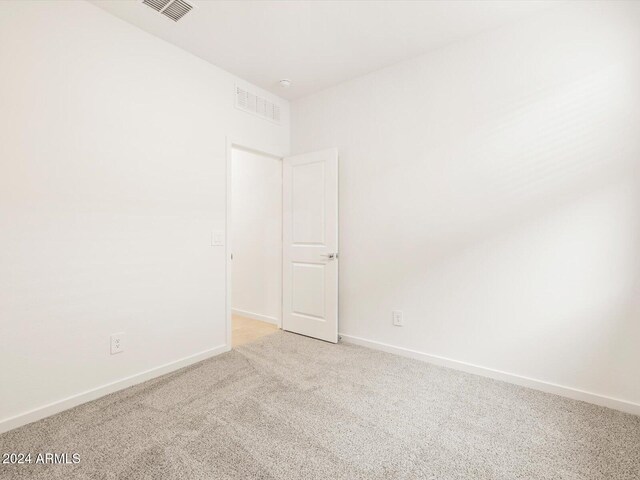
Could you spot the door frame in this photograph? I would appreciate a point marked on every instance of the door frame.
(260, 149)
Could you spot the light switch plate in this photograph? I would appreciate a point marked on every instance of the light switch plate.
(217, 238)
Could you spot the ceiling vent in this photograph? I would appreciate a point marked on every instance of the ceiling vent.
(173, 9)
(252, 103)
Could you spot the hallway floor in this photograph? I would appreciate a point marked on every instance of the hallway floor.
(246, 330)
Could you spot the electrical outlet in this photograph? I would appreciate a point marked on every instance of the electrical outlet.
(117, 343)
(398, 321)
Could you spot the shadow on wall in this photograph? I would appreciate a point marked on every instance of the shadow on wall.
(540, 224)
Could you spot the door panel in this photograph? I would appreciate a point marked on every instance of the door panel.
(307, 209)
(310, 244)
(307, 285)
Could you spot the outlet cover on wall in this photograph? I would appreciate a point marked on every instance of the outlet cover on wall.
(398, 319)
(117, 343)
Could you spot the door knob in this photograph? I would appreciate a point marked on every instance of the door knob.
(330, 256)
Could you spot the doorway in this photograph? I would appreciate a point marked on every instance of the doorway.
(255, 232)
(282, 244)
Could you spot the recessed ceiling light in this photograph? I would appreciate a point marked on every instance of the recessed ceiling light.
(285, 83)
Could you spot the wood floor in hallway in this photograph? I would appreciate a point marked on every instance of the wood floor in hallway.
(246, 330)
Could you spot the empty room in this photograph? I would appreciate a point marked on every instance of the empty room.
(318, 240)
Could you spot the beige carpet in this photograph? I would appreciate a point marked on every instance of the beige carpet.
(288, 407)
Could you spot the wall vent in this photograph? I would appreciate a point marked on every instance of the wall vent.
(252, 103)
(173, 9)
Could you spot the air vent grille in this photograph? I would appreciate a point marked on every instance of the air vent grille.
(176, 10)
(156, 4)
(173, 9)
(252, 103)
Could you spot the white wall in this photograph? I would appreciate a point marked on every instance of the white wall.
(490, 190)
(112, 177)
(256, 233)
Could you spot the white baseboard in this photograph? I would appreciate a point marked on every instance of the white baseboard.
(86, 396)
(568, 392)
(255, 316)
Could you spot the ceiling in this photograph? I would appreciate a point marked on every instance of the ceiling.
(317, 44)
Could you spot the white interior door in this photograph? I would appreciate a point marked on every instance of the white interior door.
(310, 244)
